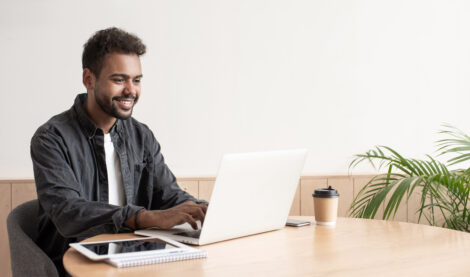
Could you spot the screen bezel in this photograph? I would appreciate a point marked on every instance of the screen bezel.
(79, 246)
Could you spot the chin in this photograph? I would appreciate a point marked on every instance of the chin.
(122, 116)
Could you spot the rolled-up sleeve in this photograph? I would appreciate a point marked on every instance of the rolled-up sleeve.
(61, 195)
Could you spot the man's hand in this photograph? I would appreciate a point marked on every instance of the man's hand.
(165, 219)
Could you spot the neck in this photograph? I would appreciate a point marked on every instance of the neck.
(104, 121)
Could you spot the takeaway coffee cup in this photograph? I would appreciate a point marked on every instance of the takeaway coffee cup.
(325, 201)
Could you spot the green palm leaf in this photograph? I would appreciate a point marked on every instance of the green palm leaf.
(444, 193)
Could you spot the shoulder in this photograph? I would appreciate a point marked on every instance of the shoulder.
(54, 136)
(55, 126)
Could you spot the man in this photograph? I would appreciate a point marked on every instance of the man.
(97, 169)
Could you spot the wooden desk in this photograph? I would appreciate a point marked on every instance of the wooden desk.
(355, 247)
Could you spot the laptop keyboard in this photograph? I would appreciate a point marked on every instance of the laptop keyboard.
(192, 234)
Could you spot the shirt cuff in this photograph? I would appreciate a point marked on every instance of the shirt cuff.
(130, 211)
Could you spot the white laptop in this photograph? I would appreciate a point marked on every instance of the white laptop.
(253, 193)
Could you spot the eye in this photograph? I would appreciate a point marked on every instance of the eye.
(137, 81)
(118, 80)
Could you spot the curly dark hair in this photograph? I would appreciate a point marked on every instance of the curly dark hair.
(111, 40)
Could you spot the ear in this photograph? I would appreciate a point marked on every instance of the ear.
(88, 79)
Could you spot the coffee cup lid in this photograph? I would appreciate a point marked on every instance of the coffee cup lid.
(326, 193)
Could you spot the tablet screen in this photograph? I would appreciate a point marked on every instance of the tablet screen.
(129, 246)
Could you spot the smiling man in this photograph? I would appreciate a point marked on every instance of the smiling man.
(97, 169)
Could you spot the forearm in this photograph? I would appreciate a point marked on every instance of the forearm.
(188, 212)
(76, 217)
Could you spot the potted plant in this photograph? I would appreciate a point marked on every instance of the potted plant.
(444, 192)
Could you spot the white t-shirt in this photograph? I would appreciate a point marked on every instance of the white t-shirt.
(113, 167)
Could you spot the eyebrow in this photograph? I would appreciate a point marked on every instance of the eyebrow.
(125, 76)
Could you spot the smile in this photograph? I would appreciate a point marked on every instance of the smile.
(125, 103)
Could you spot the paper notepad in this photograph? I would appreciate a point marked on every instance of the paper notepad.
(184, 255)
(138, 251)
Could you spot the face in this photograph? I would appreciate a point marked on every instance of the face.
(117, 88)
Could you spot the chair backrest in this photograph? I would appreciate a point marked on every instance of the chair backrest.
(27, 259)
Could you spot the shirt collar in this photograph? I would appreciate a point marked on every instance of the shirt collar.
(88, 126)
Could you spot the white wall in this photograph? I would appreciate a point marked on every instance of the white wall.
(336, 77)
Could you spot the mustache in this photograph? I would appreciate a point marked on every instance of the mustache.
(129, 97)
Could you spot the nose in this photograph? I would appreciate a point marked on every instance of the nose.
(130, 88)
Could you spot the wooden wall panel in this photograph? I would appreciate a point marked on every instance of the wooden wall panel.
(205, 189)
(344, 186)
(295, 208)
(402, 212)
(359, 183)
(307, 187)
(438, 216)
(22, 192)
(413, 206)
(190, 186)
(5, 208)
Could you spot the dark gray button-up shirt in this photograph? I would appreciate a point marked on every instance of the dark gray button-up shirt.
(71, 178)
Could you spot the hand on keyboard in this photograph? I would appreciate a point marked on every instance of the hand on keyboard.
(188, 212)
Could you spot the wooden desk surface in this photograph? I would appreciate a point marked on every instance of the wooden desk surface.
(355, 247)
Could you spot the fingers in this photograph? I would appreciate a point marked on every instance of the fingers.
(197, 211)
(198, 214)
(188, 218)
(193, 204)
(188, 212)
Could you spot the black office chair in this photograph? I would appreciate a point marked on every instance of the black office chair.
(27, 259)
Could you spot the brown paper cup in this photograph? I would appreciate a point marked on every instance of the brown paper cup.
(325, 201)
(326, 210)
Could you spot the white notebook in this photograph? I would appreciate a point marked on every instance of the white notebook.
(187, 254)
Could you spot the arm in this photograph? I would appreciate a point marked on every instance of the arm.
(166, 191)
(170, 204)
(62, 196)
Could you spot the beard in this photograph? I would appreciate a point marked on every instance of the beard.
(110, 107)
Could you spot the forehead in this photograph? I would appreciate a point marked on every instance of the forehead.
(128, 64)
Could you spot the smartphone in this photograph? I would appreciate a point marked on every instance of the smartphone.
(296, 222)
